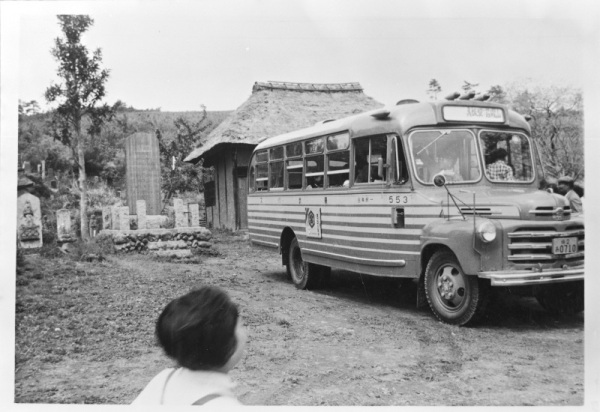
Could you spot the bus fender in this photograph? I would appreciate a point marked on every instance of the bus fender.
(456, 235)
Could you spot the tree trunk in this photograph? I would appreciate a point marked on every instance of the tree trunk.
(85, 235)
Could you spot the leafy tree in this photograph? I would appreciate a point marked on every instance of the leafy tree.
(557, 124)
(176, 175)
(29, 108)
(497, 94)
(434, 89)
(78, 98)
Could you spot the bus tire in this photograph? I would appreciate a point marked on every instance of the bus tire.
(561, 298)
(454, 298)
(304, 275)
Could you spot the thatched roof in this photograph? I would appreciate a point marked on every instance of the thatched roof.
(279, 107)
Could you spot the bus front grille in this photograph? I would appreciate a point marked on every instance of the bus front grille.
(533, 245)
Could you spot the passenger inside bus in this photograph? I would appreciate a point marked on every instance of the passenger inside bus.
(447, 165)
(314, 182)
(366, 166)
(497, 169)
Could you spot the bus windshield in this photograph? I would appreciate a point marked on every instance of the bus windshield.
(452, 153)
(507, 156)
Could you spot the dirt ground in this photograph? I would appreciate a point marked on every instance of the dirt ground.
(85, 335)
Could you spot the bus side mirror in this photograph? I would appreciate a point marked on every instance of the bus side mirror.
(380, 167)
(439, 180)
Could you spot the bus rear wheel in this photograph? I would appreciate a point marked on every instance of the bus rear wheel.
(454, 297)
(304, 275)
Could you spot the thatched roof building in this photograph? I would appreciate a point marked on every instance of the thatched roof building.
(273, 108)
(277, 107)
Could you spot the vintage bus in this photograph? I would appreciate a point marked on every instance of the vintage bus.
(448, 193)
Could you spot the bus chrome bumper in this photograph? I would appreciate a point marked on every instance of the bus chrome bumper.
(530, 277)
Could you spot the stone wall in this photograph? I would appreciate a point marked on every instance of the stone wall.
(180, 242)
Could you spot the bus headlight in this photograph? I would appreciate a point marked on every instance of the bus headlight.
(486, 231)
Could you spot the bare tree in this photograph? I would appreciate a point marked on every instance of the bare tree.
(557, 124)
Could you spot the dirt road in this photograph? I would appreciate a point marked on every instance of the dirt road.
(84, 335)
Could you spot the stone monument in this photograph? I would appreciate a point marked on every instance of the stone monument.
(63, 226)
(29, 221)
(181, 219)
(143, 172)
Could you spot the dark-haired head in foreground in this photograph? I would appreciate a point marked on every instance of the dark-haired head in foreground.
(200, 330)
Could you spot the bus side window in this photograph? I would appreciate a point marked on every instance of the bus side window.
(338, 160)
(262, 177)
(294, 171)
(338, 172)
(276, 178)
(361, 160)
(251, 181)
(294, 165)
(259, 171)
(367, 152)
(314, 171)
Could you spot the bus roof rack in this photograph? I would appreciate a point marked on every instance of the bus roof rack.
(453, 96)
(467, 96)
(482, 97)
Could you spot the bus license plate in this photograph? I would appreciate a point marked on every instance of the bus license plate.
(565, 245)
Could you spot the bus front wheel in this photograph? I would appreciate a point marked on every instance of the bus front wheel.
(454, 297)
(304, 275)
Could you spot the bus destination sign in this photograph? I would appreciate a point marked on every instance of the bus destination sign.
(473, 114)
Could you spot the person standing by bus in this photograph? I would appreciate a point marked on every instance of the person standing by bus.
(565, 187)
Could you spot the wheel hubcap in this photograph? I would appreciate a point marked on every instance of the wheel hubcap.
(298, 265)
(450, 286)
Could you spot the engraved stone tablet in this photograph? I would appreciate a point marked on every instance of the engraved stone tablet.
(194, 214)
(141, 214)
(143, 172)
(123, 218)
(181, 219)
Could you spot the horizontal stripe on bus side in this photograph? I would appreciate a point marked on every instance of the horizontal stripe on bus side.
(384, 242)
(354, 259)
(351, 209)
(368, 252)
(380, 230)
(371, 227)
(339, 213)
(414, 210)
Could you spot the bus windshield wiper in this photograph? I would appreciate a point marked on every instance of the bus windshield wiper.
(445, 132)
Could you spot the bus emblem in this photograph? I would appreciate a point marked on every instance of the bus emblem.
(313, 222)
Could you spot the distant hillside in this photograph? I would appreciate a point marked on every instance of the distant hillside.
(104, 153)
(135, 121)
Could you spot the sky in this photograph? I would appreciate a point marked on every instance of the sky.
(179, 55)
